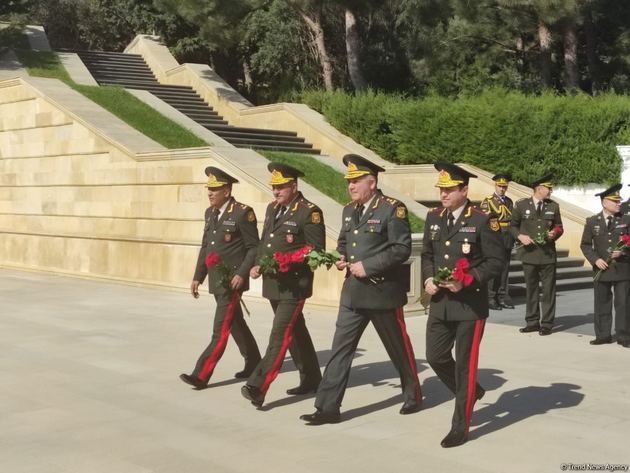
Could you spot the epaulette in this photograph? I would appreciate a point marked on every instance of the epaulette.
(523, 199)
(477, 210)
(436, 209)
(243, 206)
(391, 201)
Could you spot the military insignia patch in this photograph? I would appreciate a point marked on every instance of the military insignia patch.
(316, 217)
(494, 225)
(227, 237)
(290, 238)
(401, 212)
(251, 216)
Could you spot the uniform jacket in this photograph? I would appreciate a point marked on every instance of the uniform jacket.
(234, 239)
(475, 236)
(625, 207)
(302, 224)
(382, 242)
(597, 240)
(502, 210)
(525, 220)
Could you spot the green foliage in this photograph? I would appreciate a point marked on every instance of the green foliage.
(12, 37)
(115, 99)
(326, 180)
(573, 137)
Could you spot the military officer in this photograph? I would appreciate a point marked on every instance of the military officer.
(458, 233)
(291, 222)
(501, 205)
(601, 233)
(536, 224)
(374, 243)
(230, 232)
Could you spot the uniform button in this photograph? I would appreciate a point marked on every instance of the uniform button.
(477, 290)
(538, 226)
(448, 243)
(214, 231)
(352, 257)
(212, 243)
(354, 243)
(268, 245)
(356, 231)
(446, 256)
(271, 235)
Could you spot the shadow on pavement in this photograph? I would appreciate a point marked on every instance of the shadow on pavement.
(519, 404)
(567, 322)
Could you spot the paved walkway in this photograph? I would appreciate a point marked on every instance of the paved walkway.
(89, 385)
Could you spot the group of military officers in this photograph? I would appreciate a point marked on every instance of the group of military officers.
(374, 243)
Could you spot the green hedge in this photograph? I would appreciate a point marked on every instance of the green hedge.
(573, 137)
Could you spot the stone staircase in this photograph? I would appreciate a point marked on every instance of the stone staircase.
(132, 72)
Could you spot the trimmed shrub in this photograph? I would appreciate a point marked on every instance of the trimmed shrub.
(573, 137)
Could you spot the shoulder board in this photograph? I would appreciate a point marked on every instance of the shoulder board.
(476, 210)
(391, 201)
(490, 197)
(522, 200)
(436, 209)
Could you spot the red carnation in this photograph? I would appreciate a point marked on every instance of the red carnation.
(461, 272)
(212, 259)
(626, 239)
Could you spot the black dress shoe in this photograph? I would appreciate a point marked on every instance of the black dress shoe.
(246, 373)
(318, 418)
(193, 381)
(454, 438)
(624, 343)
(529, 328)
(253, 394)
(544, 331)
(301, 390)
(494, 306)
(507, 305)
(601, 341)
(410, 407)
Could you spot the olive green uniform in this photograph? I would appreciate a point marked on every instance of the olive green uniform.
(597, 240)
(234, 238)
(381, 240)
(539, 260)
(501, 208)
(302, 224)
(457, 319)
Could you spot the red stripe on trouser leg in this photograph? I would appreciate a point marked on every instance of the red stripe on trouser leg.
(411, 357)
(213, 359)
(286, 341)
(472, 371)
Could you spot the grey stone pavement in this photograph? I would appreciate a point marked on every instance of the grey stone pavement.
(90, 384)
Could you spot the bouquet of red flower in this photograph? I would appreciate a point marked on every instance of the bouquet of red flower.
(225, 274)
(543, 237)
(281, 262)
(622, 245)
(460, 273)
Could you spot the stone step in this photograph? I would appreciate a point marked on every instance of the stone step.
(252, 130)
(109, 54)
(173, 95)
(191, 107)
(561, 274)
(201, 114)
(562, 285)
(211, 122)
(267, 140)
(286, 149)
(102, 65)
(111, 74)
(255, 136)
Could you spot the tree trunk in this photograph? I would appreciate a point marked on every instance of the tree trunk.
(247, 76)
(571, 55)
(544, 40)
(591, 53)
(315, 26)
(353, 50)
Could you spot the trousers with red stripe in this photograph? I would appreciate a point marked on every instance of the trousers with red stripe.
(459, 374)
(288, 332)
(228, 319)
(390, 326)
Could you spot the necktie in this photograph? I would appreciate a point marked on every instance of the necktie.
(539, 208)
(451, 221)
(358, 213)
(610, 222)
(281, 212)
(215, 217)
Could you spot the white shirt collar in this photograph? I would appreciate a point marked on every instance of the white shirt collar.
(223, 207)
